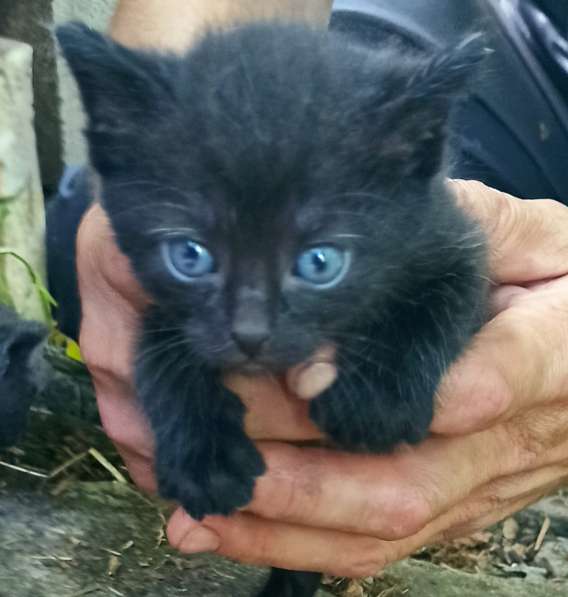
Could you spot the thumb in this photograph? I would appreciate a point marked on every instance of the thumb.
(516, 362)
(527, 239)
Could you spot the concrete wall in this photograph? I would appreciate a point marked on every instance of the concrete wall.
(95, 13)
(28, 21)
(21, 197)
(58, 114)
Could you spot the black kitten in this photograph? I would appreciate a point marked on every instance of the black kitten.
(23, 372)
(277, 189)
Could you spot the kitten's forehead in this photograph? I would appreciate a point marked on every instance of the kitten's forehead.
(255, 125)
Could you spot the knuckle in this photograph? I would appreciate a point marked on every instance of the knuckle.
(506, 214)
(116, 433)
(549, 205)
(367, 560)
(99, 362)
(409, 512)
(529, 445)
(535, 436)
(495, 400)
(475, 515)
(91, 355)
(366, 568)
(105, 350)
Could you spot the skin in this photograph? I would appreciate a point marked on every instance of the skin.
(174, 24)
(499, 437)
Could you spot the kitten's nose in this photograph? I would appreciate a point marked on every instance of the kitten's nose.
(250, 338)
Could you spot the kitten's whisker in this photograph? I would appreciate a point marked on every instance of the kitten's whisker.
(351, 401)
(169, 345)
(348, 236)
(157, 330)
(355, 195)
(216, 349)
(349, 212)
(175, 365)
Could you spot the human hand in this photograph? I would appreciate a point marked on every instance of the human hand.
(500, 430)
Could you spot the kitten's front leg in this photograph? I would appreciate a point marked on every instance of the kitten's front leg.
(204, 459)
(386, 388)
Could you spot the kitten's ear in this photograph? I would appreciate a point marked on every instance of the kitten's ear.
(415, 124)
(121, 88)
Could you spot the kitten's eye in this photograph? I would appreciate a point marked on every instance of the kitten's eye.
(322, 266)
(186, 259)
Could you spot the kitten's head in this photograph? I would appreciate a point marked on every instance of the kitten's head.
(272, 186)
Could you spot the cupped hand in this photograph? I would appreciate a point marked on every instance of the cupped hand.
(499, 437)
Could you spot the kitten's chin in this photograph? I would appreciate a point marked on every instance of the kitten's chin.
(262, 364)
(252, 368)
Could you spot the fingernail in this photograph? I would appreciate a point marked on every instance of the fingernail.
(314, 379)
(200, 540)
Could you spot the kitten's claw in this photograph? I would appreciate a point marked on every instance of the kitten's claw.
(219, 486)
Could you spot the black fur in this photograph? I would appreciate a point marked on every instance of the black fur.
(258, 143)
(288, 583)
(23, 372)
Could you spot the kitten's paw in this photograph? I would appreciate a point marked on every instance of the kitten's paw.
(365, 423)
(219, 482)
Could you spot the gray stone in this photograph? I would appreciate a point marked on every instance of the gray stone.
(556, 508)
(412, 578)
(553, 556)
(22, 218)
(103, 539)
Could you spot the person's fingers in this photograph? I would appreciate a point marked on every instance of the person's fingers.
(109, 318)
(503, 297)
(478, 513)
(252, 540)
(527, 239)
(272, 412)
(103, 270)
(310, 379)
(277, 408)
(518, 360)
(495, 502)
(389, 496)
(111, 300)
(128, 429)
(393, 496)
(538, 437)
(255, 540)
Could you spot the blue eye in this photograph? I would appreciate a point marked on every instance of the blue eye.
(186, 259)
(322, 266)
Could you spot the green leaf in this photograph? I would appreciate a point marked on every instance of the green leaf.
(47, 301)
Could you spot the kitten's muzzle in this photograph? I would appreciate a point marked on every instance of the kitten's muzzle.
(250, 329)
(250, 338)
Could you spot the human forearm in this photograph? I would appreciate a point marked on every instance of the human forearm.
(174, 24)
